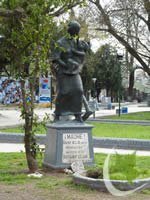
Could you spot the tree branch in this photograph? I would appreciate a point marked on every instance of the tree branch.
(144, 55)
(11, 13)
(112, 31)
(62, 9)
(147, 8)
(102, 29)
(143, 19)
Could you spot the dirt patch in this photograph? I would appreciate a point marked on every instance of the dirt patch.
(54, 190)
(30, 192)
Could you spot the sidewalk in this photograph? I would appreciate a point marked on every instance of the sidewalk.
(9, 118)
(12, 117)
(7, 148)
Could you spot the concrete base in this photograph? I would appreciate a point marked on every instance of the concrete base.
(67, 143)
(99, 184)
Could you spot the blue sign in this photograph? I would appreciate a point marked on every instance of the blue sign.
(45, 99)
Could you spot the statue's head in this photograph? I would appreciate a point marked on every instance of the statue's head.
(73, 28)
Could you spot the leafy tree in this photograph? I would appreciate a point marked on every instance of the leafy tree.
(87, 72)
(28, 28)
(107, 70)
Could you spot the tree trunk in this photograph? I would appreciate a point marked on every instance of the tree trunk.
(28, 116)
(32, 163)
(131, 84)
(107, 92)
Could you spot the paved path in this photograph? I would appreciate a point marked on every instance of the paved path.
(138, 122)
(6, 147)
(12, 117)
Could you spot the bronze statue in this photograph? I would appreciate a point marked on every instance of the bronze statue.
(69, 56)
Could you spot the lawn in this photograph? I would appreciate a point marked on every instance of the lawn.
(16, 185)
(20, 129)
(103, 130)
(121, 131)
(13, 167)
(131, 116)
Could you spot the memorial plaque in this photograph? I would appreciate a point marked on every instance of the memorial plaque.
(75, 147)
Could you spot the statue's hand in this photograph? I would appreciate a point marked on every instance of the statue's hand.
(72, 62)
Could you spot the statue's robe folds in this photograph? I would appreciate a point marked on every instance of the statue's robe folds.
(69, 84)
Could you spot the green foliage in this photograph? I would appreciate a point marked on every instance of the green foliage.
(146, 192)
(125, 164)
(106, 69)
(87, 72)
(125, 167)
(32, 36)
(26, 47)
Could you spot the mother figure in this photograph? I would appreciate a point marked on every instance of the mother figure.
(68, 56)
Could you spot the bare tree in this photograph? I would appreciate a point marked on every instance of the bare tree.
(113, 17)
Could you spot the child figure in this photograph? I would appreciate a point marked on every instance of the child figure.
(75, 62)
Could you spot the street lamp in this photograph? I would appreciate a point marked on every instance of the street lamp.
(94, 79)
(119, 58)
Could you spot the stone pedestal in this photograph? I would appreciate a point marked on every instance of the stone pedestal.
(67, 143)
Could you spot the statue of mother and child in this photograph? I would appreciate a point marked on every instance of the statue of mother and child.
(69, 56)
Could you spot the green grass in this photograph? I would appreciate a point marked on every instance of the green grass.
(12, 172)
(131, 116)
(13, 166)
(9, 161)
(103, 130)
(18, 129)
(121, 131)
(10, 164)
(39, 130)
(108, 130)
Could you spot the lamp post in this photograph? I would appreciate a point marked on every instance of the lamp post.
(94, 79)
(120, 58)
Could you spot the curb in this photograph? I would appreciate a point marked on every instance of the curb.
(19, 137)
(129, 144)
(132, 122)
(99, 184)
(119, 143)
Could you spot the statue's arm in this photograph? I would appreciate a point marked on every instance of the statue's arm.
(78, 53)
(73, 62)
(57, 58)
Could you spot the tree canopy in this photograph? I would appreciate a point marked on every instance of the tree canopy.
(107, 69)
(28, 33)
